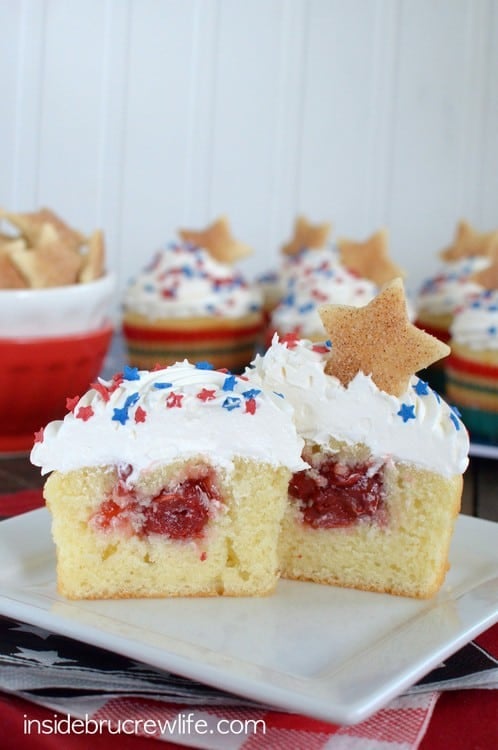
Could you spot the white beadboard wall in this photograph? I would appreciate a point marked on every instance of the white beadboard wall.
(140, 116)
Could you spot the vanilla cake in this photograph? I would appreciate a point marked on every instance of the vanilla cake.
(375, 510)
(169, 483)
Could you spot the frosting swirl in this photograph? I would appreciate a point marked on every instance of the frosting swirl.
(418, 428)
(451, 286)
(476, 323)
(145, 419)
(183, 281)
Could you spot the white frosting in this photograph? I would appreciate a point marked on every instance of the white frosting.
(476, 323)
(184, 281)
(328, 283)
(419, 427)
(451, 286)
(152, 418)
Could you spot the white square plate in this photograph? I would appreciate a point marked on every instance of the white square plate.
(334, 654)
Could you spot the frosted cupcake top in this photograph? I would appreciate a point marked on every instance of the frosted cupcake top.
(326, 282)
(451, 286)
(145, 419)
(419, 427)
(185, 281)
(476, 323)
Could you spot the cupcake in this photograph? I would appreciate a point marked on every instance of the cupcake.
(376, 508)
(472, 368)
(168, 483)
(190, 303)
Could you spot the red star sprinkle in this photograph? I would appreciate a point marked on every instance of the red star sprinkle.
(71, 402)
(102, 389)
(39, 435)
(140, 414)
(320, 348)
(84, 413)
(290, 339)
(206, 395)
(250, 406)
(174, 399)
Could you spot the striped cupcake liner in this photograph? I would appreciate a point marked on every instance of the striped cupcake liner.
(473, 387)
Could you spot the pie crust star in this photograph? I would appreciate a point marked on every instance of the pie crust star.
(468, 243)
(488, 277)
(379, 340)
(306, 235)
(218, 240)
(31, 226)
(370, 259)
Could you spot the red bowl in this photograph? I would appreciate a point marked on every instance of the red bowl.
(36, 377)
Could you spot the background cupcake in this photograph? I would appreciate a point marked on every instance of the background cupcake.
(451, 286)
(472, 367)
(190, 303)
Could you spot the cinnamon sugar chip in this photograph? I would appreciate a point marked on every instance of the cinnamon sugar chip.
(10, 278)
(468, 243)
(93, 262)
(48, 252)
(370, 259)
(218, 240)
(51, 263)
(31, 227)
(379, 340)
(306, 235)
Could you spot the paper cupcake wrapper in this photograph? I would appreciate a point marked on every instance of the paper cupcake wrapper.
(473, 387)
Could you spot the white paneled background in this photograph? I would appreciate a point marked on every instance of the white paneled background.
(140, 116)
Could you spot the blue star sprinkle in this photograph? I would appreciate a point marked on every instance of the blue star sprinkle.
(406, 412)
(230, 383)
(421, 388)
(231, 402)
(130, 373)
(252, 393)
(204, 366)
(120, 415)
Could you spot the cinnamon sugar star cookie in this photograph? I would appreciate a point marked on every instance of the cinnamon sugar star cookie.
(10, 277)
(306, 235)
(488, 277)
(93, 262)
(51, 263)
(379, 340)
(370, 259)
(468, 242)
(218, 240)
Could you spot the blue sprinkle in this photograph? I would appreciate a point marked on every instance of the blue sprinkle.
(163, 385)
(252, 393)
(120, 415)
(308, 307)
(131, 400)
(455, 420)
(231, 402)
(230, 383)
(328, 343)
(131, 373)
(407, 412)
(204, 366)
(476, 305)
(492, 330)
(281, 395)
(421, 388)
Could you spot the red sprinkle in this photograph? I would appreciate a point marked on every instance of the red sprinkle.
(250, 406)
(102, 389)
(84, 413)
(206, 395)
(320, 349)
(290, 339)
(39, 435)
(71, 402)
(174, 399)
(140, 414)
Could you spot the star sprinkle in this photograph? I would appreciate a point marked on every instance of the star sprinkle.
(468, 243)
(306, 235)
(231, 402)
(71, 403)
(130, 373)
(84, 413)
(174, 400)
(421, 388)
(39, 435)
(370, 259)
(406, 412)
(379, 340)
(140, 414)
(206, 394)
(218, 240)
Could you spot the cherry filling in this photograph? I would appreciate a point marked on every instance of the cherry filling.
(332, 494)
(178, 512)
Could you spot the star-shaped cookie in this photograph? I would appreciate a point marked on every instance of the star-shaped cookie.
(379, 340)
(306, 235)
(488, 277)
(370, 259)
(468, 243)
(218, 240)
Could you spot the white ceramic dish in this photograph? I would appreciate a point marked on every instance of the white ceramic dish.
(56, 311)
(334, 654)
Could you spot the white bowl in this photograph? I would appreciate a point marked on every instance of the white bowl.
(56, 311)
